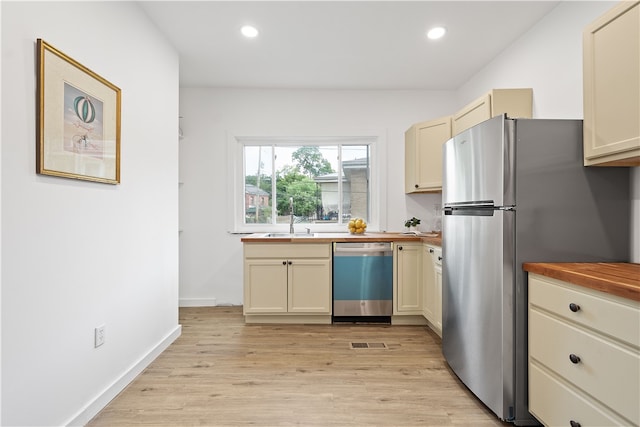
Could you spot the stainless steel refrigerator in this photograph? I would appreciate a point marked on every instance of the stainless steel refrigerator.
(515, 191)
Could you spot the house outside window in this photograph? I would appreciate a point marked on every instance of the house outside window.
(256, 204)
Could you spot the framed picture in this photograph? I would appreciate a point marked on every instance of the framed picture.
(78, 120)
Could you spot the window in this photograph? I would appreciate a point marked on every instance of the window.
(328, 180)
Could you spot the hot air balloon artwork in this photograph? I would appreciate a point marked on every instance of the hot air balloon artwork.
(77, 120)
(83, 122)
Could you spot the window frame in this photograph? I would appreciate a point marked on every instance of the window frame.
(236, 142)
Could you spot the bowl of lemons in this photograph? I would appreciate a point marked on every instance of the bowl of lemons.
(357, 226)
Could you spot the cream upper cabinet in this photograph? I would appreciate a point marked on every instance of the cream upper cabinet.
(432, 283)
(612, 88)
(408, 279)
(584, 355)
(287, 279)
(516, 103)
(423, 141)
(423, 155)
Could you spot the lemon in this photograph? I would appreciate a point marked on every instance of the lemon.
(357, 225)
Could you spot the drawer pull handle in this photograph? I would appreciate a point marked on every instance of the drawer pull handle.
(439, 258)
(574, 424)
(284, 262)
(574, 359)
(430, 251)
(574, 307)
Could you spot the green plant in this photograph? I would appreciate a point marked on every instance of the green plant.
(413, 222)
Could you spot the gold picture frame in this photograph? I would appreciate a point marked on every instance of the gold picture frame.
(78, 120)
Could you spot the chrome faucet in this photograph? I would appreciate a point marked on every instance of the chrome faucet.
(291, 210)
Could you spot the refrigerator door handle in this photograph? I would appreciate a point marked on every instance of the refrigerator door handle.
(470, 211)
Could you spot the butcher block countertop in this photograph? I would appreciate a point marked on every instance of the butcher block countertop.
(431, 239)
(621, 279)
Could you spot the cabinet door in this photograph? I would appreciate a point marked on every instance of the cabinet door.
(429, 284)
(433, 288)
(423, 155)
(474, 113)
(309, 286)
(515, 102)
(612, 87)
(437, 312)
(408, 279)
(265, 286)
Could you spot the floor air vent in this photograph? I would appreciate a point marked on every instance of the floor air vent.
(368, 345)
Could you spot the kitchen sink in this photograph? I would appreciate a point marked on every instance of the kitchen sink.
(296, 235)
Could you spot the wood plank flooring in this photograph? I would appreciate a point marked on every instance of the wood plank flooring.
(221, 372)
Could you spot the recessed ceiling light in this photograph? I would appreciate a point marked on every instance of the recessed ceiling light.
(436, 33)
(249, 31)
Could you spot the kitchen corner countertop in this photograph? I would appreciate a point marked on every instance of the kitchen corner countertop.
(435, 240)
(621, 279)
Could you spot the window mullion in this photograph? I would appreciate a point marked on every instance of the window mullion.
(274, 205)
(340, 196)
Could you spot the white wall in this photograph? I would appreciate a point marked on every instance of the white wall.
(210, 258)
(549, 59)
(0, 232)
(79, 254)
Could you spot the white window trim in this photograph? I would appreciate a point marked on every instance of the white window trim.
(235, 174)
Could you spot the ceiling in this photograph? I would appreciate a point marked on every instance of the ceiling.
(339, 44)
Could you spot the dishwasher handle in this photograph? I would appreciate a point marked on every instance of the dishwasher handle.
(363, 249)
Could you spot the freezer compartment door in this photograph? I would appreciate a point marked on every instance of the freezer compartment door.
(478, 165)
(478, 312)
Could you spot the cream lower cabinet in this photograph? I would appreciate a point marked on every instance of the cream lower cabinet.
(516, 103)
(584, 355)
(611, 69)
(423, 155)
(287, 283)
(407, 295)
(437, 260)
(432, 284)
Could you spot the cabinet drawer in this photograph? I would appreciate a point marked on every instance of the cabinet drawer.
(557, 404)
(608, 314)
(287, 250)
(606, 371)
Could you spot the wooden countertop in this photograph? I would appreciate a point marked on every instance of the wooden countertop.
(345, 237)
(621, 279)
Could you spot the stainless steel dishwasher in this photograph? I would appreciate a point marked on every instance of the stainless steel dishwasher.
(362, 281)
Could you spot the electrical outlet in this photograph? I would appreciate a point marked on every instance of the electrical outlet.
(99, 336)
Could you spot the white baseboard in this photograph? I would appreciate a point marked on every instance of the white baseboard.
(197, 302)
(102, 400)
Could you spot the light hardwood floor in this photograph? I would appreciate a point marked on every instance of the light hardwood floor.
(221, 372)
